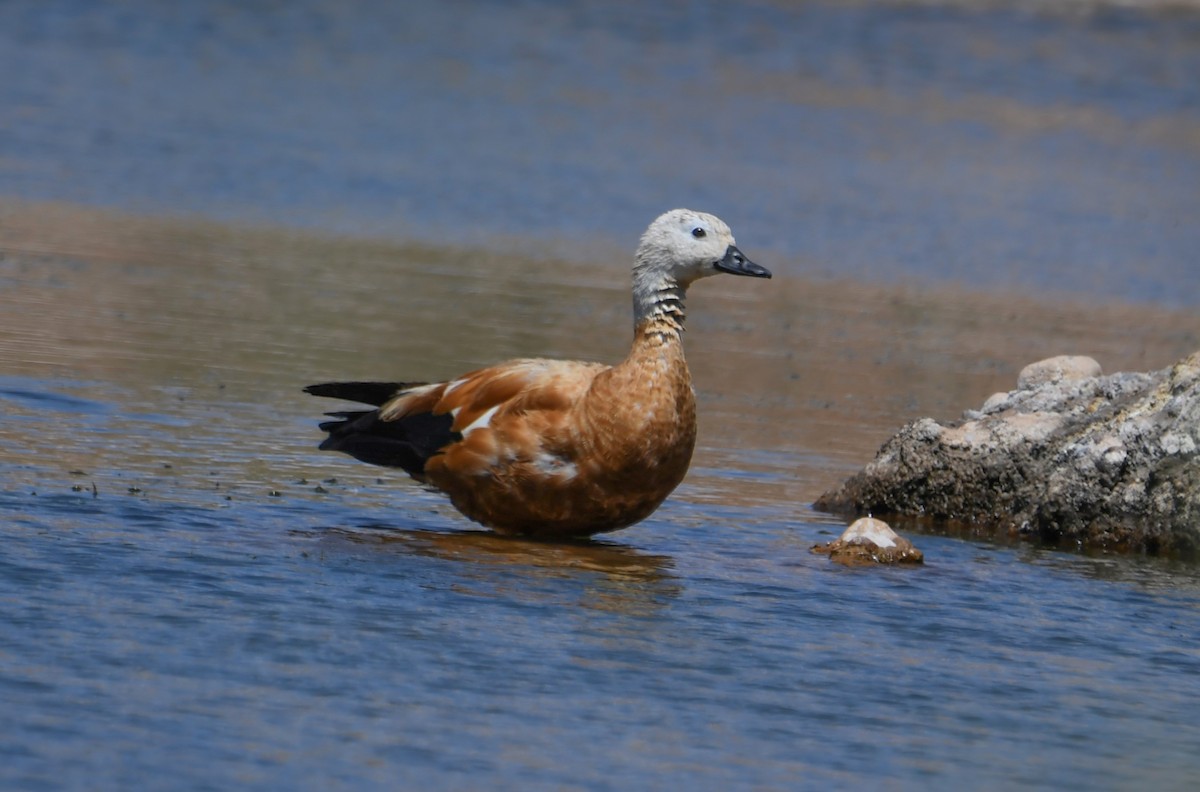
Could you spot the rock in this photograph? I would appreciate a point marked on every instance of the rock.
(871, 541)
(1064, 368)
(1069, 456)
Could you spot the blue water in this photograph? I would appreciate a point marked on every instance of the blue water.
(285, 644)
(206, 206)
(990, 146)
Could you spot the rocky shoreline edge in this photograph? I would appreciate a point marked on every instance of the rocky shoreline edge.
(1069, 456)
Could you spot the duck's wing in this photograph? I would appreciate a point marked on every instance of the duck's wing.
(416, 421)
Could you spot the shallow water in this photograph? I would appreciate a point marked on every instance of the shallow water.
(193, 594)
(203, 211)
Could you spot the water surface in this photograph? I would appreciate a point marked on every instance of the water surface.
(1040, 146)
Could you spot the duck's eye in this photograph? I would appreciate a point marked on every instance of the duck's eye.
(698, 233)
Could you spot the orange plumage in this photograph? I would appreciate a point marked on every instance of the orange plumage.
(558, 448)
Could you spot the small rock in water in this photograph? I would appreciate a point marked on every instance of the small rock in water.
(871, 541)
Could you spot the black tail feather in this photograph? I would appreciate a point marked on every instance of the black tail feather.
(405, 443)
(373, 393)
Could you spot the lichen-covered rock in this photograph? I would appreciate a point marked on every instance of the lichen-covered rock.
(871, 541)
(1107, 461)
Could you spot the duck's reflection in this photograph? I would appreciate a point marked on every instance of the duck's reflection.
(614, 576)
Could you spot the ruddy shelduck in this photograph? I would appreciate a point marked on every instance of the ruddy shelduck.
(555, 448)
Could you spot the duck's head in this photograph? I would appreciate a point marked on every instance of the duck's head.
(683, 246)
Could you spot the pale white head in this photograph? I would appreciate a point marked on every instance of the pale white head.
(679, 247)
(685, 246)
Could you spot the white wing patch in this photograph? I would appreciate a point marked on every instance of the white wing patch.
(553, 465)
(480, 422)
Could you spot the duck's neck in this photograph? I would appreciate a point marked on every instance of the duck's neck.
(657, 306)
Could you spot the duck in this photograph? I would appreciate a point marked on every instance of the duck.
(557, 449)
